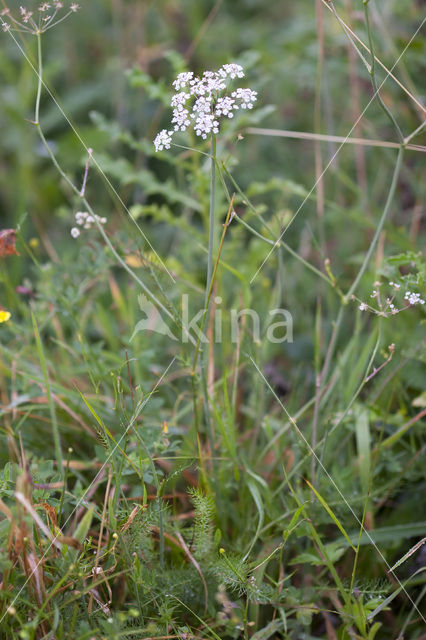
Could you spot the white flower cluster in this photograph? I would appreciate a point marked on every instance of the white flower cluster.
(202, 101)
(85, 220)
(387, 307)
(36, 22)
(413, 298)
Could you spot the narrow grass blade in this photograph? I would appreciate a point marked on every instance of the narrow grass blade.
(408, 554)
(293, 522)
(330, 513)
(261, 511)
(363, 440)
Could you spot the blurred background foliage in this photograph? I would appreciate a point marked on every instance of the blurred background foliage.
(110, 68)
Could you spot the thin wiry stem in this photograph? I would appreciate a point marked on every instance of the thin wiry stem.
(349, 36)
(273, 243)
(382, 220)
(389, 73)
(39, 82)
(365, 142)
(211, 215)
(415, 133)
(207, 295)
(198, 345)
(317, 124)
(373, 76)
(210, 288)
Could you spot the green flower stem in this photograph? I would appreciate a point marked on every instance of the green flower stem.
(348, 35)
(198, 345)
(373, 244)
(207, 295)
(40, 76)
(210, 288)
(415, 132)
(211, 217)
(373, 76)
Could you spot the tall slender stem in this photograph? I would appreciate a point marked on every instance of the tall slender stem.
(373, 243)
(210, 288)
(373, 75)
(209, 284)
(40, 80)
(211, 217)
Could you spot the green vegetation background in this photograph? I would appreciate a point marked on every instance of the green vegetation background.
(293, 564)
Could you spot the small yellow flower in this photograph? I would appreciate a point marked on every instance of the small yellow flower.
(5, 316)
(34, 243)
(165, 427)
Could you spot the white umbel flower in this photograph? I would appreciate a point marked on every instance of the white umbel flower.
(413, 298)
(85, 220)
(180, 120)
(247, 97)
(179, 100)
(199, 102)
(232, 70)
(183, 80)
(163, 140)
(205, 124)
(25, 14)
(224, 106)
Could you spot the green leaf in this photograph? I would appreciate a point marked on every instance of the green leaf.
(259, 504)
(273, 627)
(363, 440)
(293, 522)
(82, 530)
(84, 525)
(330, 513)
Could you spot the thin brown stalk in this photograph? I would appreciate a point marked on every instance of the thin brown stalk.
(305, 135)
(98, 549)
